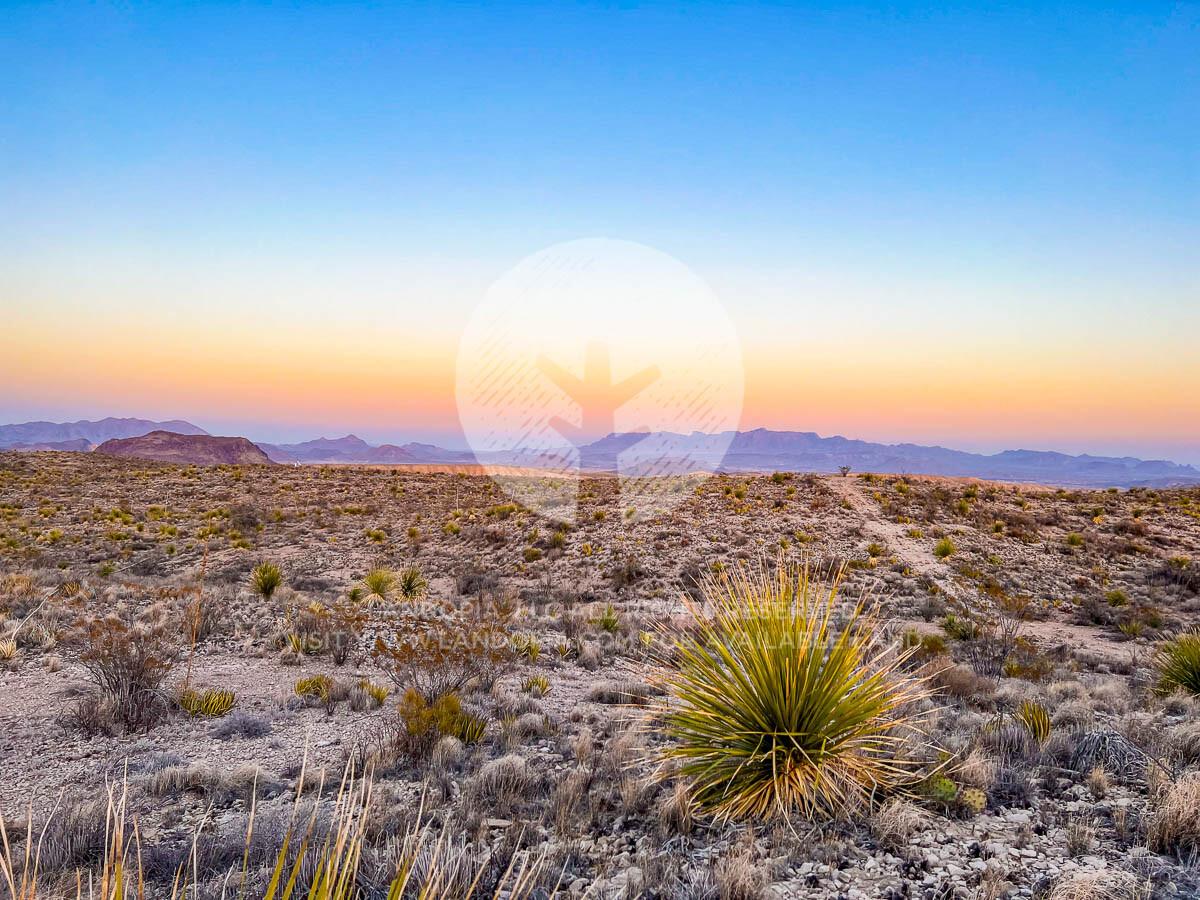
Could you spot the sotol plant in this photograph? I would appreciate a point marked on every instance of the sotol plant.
(775, 710)
(1178, 664)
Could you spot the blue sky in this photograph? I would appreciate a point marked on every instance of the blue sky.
(887, 172)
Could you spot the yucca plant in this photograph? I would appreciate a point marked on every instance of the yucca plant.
(379, 583)
(609, 620)
(318, 687)
(774, 710)
(265, 579)
(1178, 664)
(413, 584)
(538, 685)
(1035, 719)
(211, 702)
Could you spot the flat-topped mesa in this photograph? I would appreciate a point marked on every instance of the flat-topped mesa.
(190, 449)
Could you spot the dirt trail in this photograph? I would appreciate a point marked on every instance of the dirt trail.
(912, 552)
(918, 557)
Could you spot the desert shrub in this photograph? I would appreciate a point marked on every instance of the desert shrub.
(315, 687)
(1174, 826)
(265, 579)
(608, 620)
(443, 654)
(129, 662)
(537, 685)
(944, 548)
(422, 724)
(1178, 664)
(240, 724)
(776, 711)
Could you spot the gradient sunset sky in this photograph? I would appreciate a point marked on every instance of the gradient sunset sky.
(978, 227)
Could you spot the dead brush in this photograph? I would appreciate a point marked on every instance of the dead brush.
(129, 662)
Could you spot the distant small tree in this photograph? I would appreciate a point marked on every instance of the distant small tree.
(845, 470)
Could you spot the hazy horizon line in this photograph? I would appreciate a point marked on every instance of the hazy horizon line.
(445, 440)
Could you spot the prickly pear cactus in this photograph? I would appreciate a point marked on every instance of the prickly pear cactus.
(973, 800)
(941, 789)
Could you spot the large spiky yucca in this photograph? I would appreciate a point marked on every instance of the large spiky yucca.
(784, 701)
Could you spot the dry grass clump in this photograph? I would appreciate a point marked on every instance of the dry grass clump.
(895, 822)
(1174, 826)
(778, 711)
(322, 851)
(1105, 884)
(738, 877)
(502, 783)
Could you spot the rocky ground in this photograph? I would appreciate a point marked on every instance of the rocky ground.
(567, 772)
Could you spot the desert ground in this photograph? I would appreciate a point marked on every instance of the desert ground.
(265, 609)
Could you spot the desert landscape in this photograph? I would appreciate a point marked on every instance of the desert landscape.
(222, 652)
(599, 451)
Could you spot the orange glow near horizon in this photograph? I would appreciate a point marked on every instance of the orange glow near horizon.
(1043, 394)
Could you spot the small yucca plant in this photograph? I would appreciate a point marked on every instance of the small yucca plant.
(1178, 664)
(379, 583)
(265, 578)
(1035, 719)
(211, 702)
(775, 711)
(318, 687)
(413, 584)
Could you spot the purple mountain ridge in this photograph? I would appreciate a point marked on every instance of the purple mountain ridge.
(759, 450)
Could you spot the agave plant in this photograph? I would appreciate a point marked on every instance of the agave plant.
(1178, 664)
(773, 710)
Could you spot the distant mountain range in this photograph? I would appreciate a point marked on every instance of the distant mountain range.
(353, 449)
(83, 435)
(759, 450)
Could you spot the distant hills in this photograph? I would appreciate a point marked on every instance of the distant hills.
(191, 449)
(760, 450)
(84, 435)
(353, 449)
(764, 450)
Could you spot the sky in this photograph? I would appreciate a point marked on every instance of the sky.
(968, 224)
